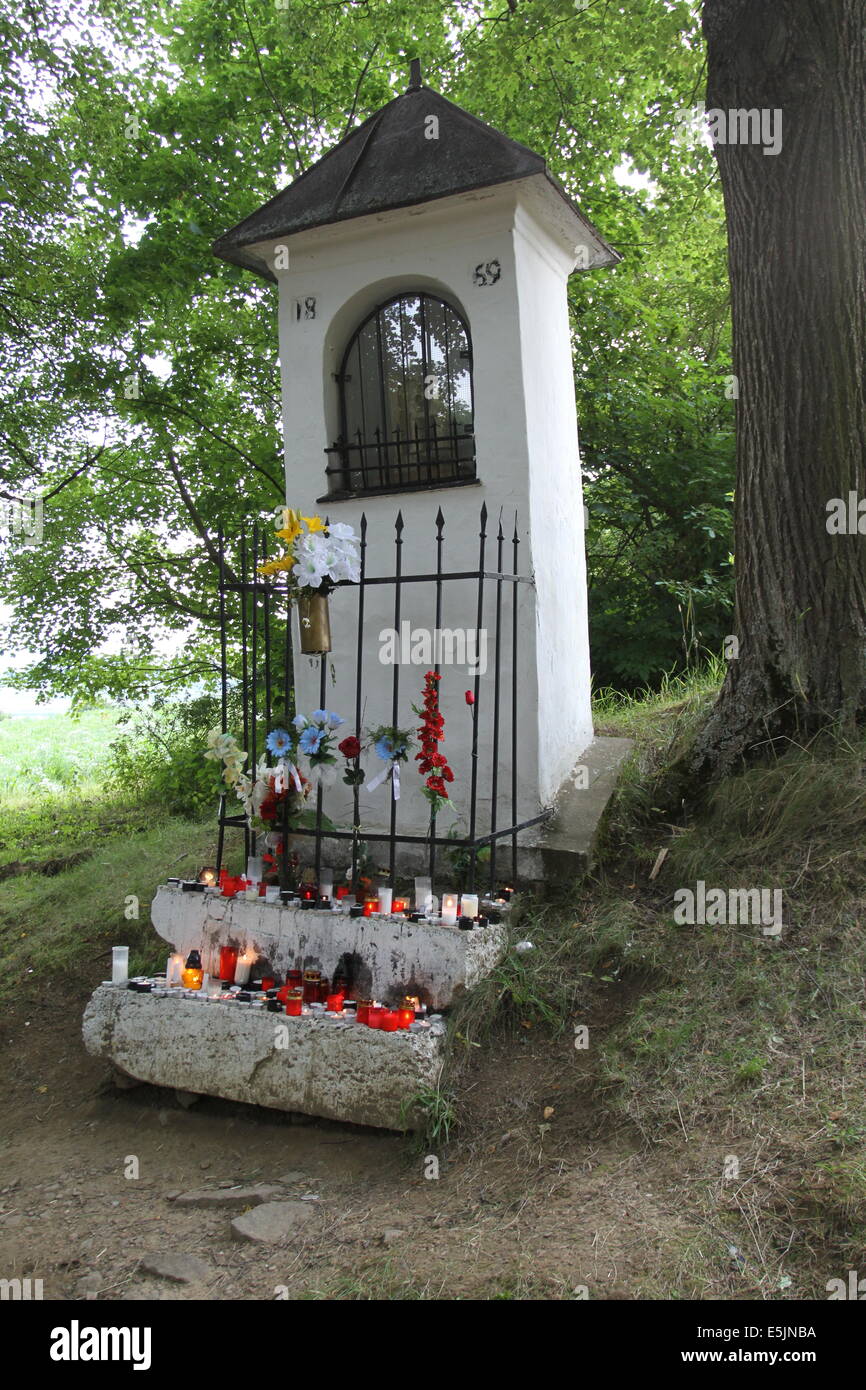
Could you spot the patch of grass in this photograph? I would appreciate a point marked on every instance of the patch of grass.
(45, 756)
(64, 925)
(438, 1116)
(381, 1283)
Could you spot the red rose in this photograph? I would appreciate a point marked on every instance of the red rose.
(470, 698)
(350, 747)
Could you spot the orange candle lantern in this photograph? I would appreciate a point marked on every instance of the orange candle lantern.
(192, 973)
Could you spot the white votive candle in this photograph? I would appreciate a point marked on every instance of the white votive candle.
(469, 905)
(119, 965)
(243, 967)
(326, 886)
(386, 898)
(173, 969)
(423, 894)
(449, 909)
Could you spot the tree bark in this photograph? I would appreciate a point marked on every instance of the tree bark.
(797, 259)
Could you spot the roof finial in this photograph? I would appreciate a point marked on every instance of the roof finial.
(414, 75)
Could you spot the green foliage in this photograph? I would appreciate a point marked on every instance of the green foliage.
(135, 134)
(159, 757)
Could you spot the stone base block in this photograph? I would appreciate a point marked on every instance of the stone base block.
(387, 957)
(311, 1065)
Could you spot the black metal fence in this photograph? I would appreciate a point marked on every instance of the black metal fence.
(257, 661)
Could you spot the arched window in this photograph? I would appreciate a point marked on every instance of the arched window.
(405, 401)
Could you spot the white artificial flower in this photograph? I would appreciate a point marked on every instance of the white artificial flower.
(340, 531)
(322, 774)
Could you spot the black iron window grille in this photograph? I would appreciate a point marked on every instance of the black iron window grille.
(406, 408)
(257, 663)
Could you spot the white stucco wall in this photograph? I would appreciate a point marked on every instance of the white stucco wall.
(526, 447)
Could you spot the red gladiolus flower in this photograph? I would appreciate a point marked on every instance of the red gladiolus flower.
(431, 763)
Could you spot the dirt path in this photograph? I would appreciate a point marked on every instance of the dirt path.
(526, 1205)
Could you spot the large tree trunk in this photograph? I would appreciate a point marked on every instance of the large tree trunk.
(797, 257)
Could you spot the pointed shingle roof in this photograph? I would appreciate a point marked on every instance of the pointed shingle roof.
(389, 162)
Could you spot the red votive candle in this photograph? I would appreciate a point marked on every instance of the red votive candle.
(341, 892)
(405, 1016)
(268, 982)
(374, 1016)
(371, 906)
(364, 1006)
(334, 1003)
(399, 905)
(389, 1022)
(312, 985)
(295, 1003)
(228, 962)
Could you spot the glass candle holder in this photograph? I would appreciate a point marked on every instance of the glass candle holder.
(119, 965)
(449, 909)
(244, 966)
(374, 1016)
(192, 973)
(389, 1021)
(295, 1003)
(228, 962)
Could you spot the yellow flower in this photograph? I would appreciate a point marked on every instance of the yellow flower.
(285, 562)
(291, 527)
(314, 523)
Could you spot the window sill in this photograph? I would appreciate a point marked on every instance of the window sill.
(402, 491)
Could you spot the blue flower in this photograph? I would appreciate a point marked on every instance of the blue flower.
(300, 721)
(335, 720)
(311, 740)
(387, 750)
(279, 742)
(319, 716)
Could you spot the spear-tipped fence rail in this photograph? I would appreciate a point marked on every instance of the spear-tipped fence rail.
(256, 648)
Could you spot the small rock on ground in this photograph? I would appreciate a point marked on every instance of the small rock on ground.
(180, 1269)
(228, 1198)
(273, 1222)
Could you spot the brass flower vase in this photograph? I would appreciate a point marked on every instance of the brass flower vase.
(315, 624)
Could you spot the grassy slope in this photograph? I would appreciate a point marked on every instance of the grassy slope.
(717, 1043)
(726, 1044)
(53, 754)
